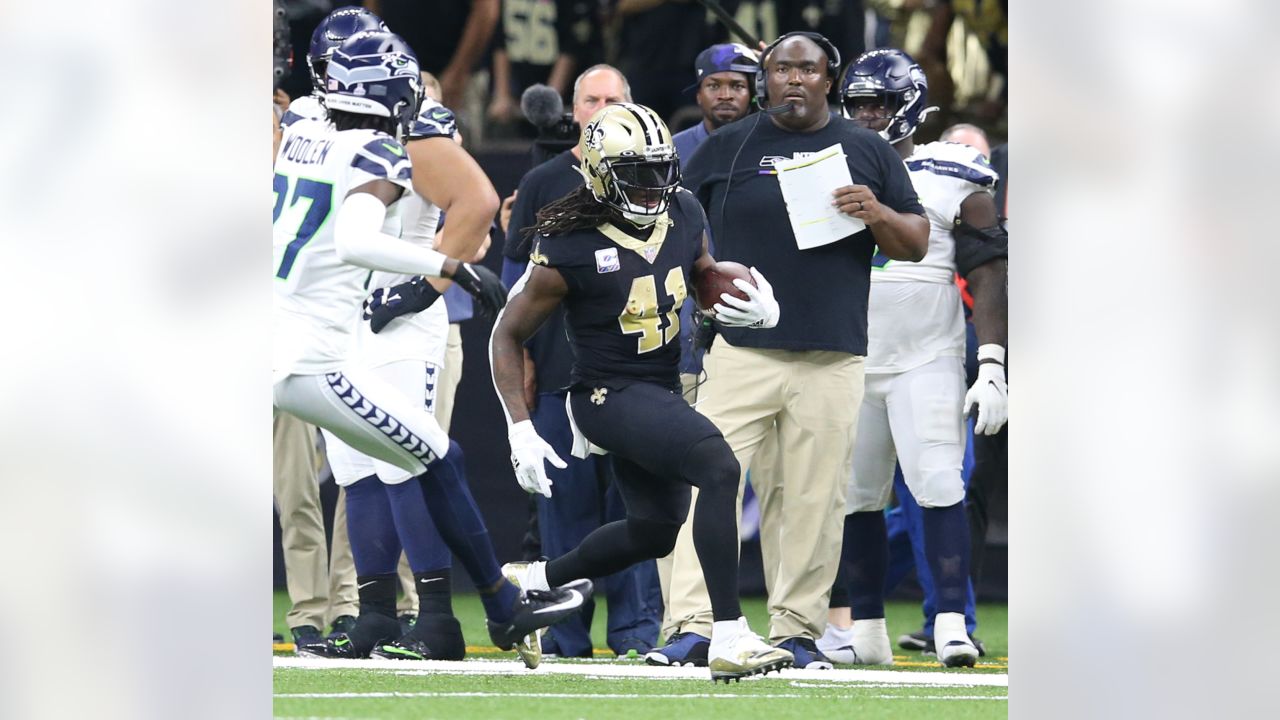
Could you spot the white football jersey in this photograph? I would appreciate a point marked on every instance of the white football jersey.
(419, 336)
(317, 296)
(915, 313)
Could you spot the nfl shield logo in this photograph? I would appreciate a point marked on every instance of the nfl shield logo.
(607, 260)
(649, 252)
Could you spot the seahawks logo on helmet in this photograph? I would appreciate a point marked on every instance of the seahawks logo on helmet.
(629, 161)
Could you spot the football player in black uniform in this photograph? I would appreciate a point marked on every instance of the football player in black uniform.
(619, 253)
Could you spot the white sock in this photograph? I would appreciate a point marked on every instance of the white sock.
(536, 578)
(870, 626)
(724, 633)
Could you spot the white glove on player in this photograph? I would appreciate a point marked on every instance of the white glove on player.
(759, 310)
(528, 450)
(991, 394)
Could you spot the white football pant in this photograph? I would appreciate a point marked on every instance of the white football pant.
(913, 418)
(366, 413)
(415, 380)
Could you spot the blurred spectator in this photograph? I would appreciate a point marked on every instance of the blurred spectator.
(657, 43)
(541, 41)
(970, 135)
(450, 38)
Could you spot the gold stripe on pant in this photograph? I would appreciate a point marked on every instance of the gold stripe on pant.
(809, 401)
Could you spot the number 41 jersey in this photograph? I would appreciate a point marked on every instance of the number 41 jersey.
(623, 305)
(317, 296)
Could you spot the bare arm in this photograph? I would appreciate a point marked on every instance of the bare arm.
(448, 176)
(542, 290)
(900, 236)
(475, 39)
(989, 282)
(562, 73)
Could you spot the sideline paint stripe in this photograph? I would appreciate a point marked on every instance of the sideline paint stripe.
(511, 667)
(618, 696)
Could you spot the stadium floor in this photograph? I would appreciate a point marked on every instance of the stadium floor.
(491, 684)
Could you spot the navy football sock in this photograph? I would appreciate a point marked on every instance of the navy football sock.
(946, 547)
(866, 560)
(459, 522)
(499, 601)
(417, 532)
(375, 548)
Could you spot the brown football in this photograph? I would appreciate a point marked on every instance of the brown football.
(708, 285)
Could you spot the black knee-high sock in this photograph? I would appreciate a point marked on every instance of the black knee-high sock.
(946, 547)
(435, 592)
(611, 548)
(711, 467)
(377, 594)
(866, 559)
(840, 588)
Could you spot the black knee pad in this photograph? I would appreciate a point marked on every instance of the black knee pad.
(709, 465)
(655, 539)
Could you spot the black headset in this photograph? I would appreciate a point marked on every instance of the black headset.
(833, 61)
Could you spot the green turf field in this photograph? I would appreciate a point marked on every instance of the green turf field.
(493, 685)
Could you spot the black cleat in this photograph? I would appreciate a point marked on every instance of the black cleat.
(537, 609)
(306, 638)
(433, 637)
(369, 631)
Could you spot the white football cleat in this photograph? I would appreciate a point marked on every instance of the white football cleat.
(865, 643)
(744, 654)
(951, 639)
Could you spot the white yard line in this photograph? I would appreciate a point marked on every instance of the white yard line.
(617, 696)
(829, 678)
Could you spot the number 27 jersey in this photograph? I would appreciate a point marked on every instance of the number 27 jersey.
(318, 296)
(624, 299)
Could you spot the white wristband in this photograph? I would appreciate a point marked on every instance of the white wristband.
(991, 351)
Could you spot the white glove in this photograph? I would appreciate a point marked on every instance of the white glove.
(759, 310)
(991, 395)
(528, 450)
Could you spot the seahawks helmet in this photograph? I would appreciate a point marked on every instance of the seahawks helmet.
(329, 34)
(375, 73)
(629, 161)
(892, 77)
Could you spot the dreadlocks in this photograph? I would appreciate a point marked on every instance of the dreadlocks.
(579, 210)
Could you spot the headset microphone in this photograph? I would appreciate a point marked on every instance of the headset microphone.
(778, 109)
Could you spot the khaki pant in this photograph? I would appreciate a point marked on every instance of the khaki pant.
(450, 376)
(810, 400)
(297, 493)
(342, 568)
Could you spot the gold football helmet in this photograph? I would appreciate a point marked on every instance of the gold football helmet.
(629, 161)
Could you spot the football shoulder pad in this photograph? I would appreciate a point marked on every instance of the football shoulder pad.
(434, 120)
(306, 107)
(382, 157)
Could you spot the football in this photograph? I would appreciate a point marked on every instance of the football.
(708, 285)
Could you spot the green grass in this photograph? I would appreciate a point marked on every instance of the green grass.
(523, 697)
(453, 696)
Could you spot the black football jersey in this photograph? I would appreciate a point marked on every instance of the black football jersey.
(623, 304)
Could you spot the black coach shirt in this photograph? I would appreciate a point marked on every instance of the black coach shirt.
(549, 347)
(625, 295)
(822, 291)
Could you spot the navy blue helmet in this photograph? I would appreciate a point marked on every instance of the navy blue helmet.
(375, 73)
(892, 77)
(329, 34)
